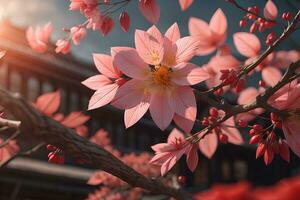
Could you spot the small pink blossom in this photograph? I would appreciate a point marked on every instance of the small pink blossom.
(150, 9)
(39, 38)
(167, 154)
(212, 35)
(77, 32)
(63, 46)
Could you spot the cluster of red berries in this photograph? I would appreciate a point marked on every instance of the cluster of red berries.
(269, 144)
(230, 77)
(211, 119)
(55, 155)
(259, 23)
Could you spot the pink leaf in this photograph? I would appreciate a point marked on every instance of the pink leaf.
(271, 75)
(247, 44)
(48, 103)
(270, 10)
(75, 119)
(150, 9)
(184, 4)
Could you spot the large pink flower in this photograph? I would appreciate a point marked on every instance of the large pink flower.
(288, 98)
(161, 75)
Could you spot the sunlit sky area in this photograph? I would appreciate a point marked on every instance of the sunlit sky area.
(32, 12)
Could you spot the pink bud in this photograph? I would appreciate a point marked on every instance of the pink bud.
(260, 150)
(124, 21)
(77, 34)
(268, 156)
(205, 122)
(243, 22)
(63, 46)
(287, 16)
(255, 139)
(253, 27)
(242, 123)
(50, 147)
(223, 138)
(181, 180)
(261, 83)
(284, 150)
(214, 112)
(257, 127)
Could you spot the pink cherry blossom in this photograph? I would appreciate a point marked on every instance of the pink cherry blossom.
(184, 4)
(270, 10)
(106, 84)
(39, 38)
(77, 32)
(212, 35)
(161, 76)
(167, 154)
(208, 145)
(288, 98)
(63, 46)
(150, 9)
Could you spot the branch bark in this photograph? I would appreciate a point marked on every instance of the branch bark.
(36, 126)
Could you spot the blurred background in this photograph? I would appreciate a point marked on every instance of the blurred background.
(33, 74)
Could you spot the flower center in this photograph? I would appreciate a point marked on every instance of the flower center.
(161, 75)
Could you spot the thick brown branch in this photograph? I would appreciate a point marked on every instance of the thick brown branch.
(45, 129)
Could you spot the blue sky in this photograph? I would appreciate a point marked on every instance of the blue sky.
(32, 12)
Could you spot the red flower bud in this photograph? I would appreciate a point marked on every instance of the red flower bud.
(124, 21)
(223, 138)
(181, 180)
(214, 112)
(268, 156)
(255, 139)
(260, 150)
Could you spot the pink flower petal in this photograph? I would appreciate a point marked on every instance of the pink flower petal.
(150, 9)
(248, 96)
(247, 44)
(183, 123)
(184, 4)
(183, 102)
(189, 74)
(186, 48)
(218, 25)
(96, 82)
(128, 60)
(192, 157)
(103, 96)
(160, 110)
(233, 134)
(271, 75)
(175, 135)
(173, 33)
(48, 103)
(291, 130)
(198, 27)
(104, 64)
(155, 34)
(130, 94)
(163, 147)
(208, 145)
(134, 114)
(148, 48)
(270, 10)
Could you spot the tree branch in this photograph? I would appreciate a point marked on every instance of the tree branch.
(45, 129)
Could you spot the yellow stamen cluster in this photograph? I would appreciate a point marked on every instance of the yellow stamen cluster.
(161, 76)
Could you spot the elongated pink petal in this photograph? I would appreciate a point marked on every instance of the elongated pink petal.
(47, 31)
(148, 48)
(134, 114)
(189, 74)
(183, 102)
(184, 4)
(247, 44)
(183, 123)
(96, 82)
(103, 96)
(35, 44)
(130, 94)
(163, 147)
(150, 9)
(271, 75)
(208, 145)
(160, 110)
(161, 158)
(155, 34)
(224, 62)
(270, 10)
(186, 48)
(175, 135)
(198, 27)
(248, 96)
(48, 103)
(291, 132)
(192, 157)
(75, 119)
(168, 165)
(173, 33)
(233, 134)
(205, 49)
(104, 64)
(218, 25)
(129, 62)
